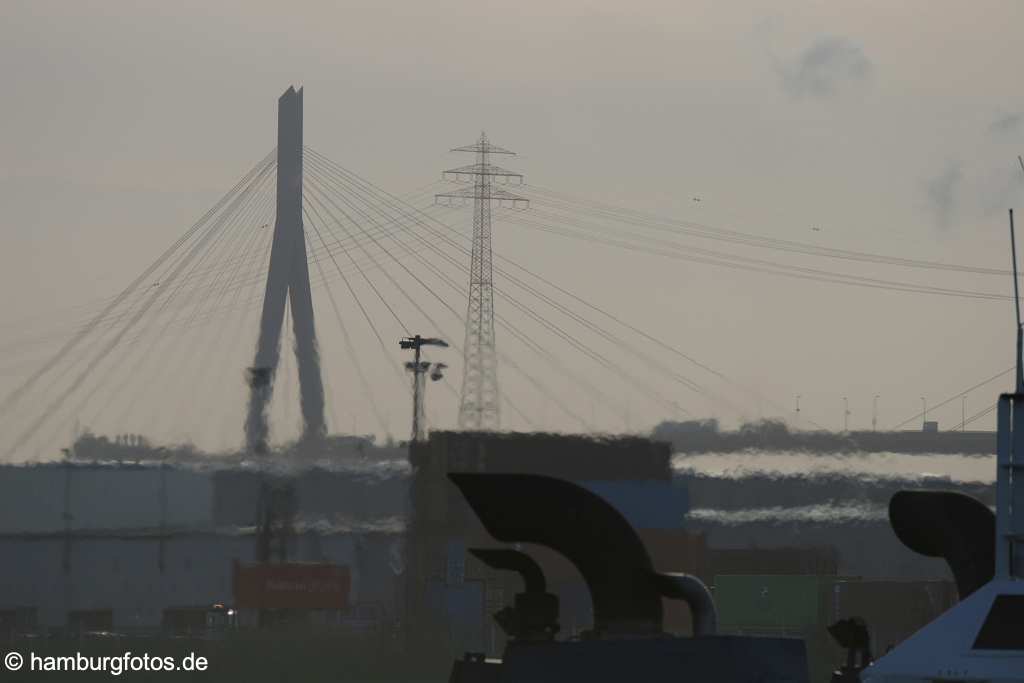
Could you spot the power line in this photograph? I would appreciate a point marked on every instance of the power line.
(361, 272)
(710, 257)
(214, 233)
(359, 303)
(723, 234)
(504, 357)
(573, 315)
(979, 415)
(455, 313)
(419, 212)
(11, 398)
(367, 391)
(240, 216)
(953, 398)
(530, 313)
(316, 187)
(249, 222)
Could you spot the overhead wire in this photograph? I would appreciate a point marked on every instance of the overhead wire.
(978, 415)
(246, 233)
(455, 313)
(317, 195)
(112, 343)
(544, 322)
(351, 348)
(234, 218)
(578, 229)
(515, 332)
(142, 277)
(355, 297)
(419, 281)
(443, 225)
(100, 341)
(558, 306)
(151, 293)
(954, 397)
(211, 283)
(697, 229)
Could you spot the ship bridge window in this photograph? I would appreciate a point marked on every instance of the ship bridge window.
(1002, 628)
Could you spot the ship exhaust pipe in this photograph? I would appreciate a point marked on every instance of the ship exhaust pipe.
(696, 595)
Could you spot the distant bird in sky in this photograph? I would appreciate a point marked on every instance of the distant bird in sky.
(696, 199)
(816, 229)
(264, 225)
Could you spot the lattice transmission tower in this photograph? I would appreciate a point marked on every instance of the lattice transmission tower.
(478, 406)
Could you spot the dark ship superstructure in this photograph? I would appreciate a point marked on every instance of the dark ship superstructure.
(627, 641)
(982, 637)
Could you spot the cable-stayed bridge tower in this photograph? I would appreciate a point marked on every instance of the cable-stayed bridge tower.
(287, 283)
(478, 406)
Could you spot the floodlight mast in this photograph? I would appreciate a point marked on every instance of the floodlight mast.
(1016, 306)
(1010, 464)
(418, 369)
(978, 639)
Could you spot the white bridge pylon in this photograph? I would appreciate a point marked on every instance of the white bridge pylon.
(287, 282)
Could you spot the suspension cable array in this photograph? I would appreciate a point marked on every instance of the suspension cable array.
(166, 354)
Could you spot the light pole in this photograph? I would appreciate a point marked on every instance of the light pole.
(161, 559)
(963, 413)
(924, 411)
(846, 414)
(66, 558)
(874, 413)
(798, 405)
(419, 369)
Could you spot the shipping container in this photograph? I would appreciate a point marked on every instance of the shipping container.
(805, 605)
(90, 620)
(565, 456)
(292, 586)
(767, 603)
(804, 561)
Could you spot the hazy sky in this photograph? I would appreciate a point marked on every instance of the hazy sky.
(892, 127)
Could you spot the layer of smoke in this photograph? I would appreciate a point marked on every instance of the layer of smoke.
(257, 425)
(794, 491)
(874, 466)
(351, 454)
(943, 194)
(704, 436)
(311, 388)
(825, 66)
(342, 525)
(1007, 123)
(845, 513)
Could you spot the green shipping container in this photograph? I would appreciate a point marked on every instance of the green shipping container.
(767, 603)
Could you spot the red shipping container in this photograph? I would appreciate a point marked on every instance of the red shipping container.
(292, 586)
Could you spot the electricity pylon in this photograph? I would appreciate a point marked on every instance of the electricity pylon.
(478, 405)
